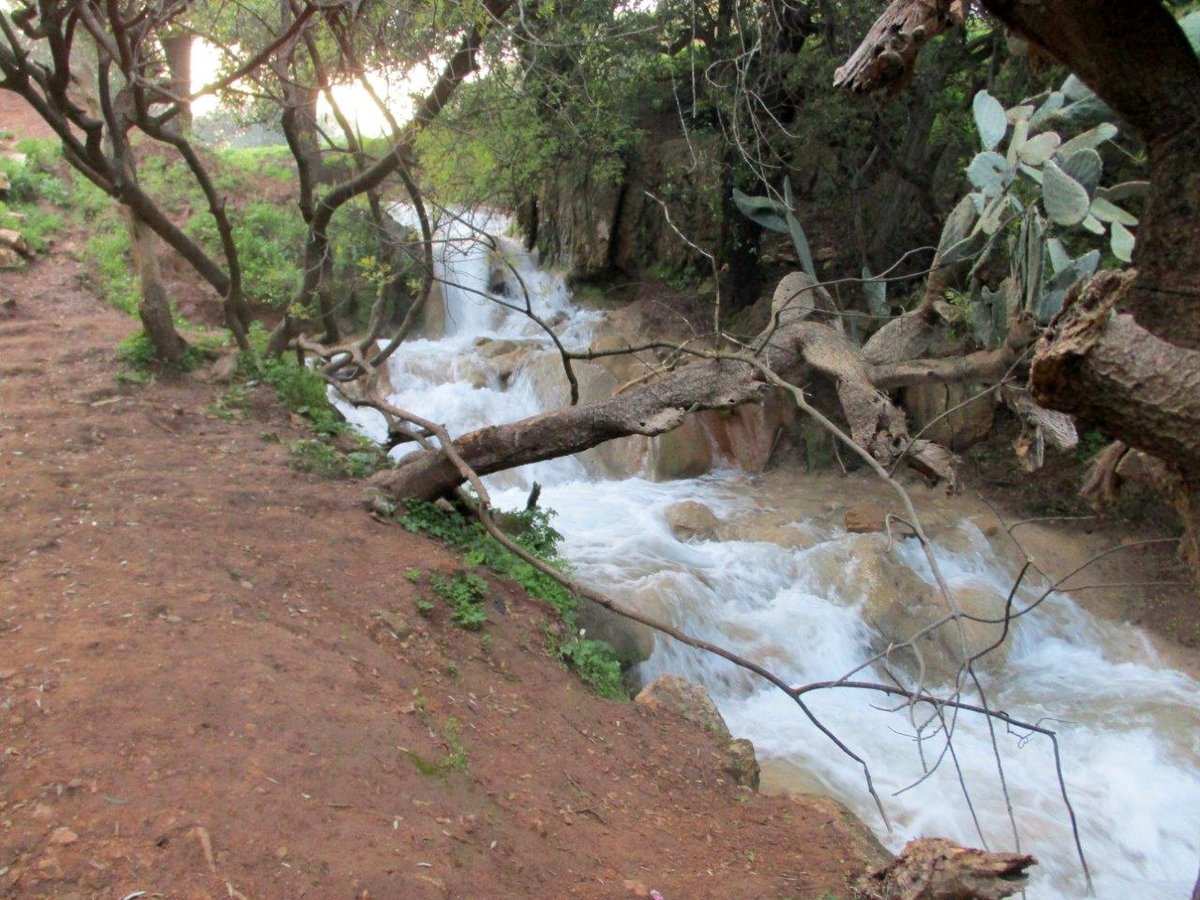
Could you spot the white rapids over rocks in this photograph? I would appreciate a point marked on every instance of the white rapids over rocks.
(1129, 728)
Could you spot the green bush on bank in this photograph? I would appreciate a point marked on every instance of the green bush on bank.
(594, 661)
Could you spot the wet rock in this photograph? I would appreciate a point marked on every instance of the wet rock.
(864, 518)
(690, 519)
(689, 701)
(741, 763)
(682, 453)
(632, 641)
(948, 646)
(794, 537)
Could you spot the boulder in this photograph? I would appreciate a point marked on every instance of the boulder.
(690, 519)
(942, 649)
(632, 641)
(741, 764)
(14, 240)
(688, 701)
(969, 423)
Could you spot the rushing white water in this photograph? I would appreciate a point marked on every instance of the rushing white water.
(1129, 729)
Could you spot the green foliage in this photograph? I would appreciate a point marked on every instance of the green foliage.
(597, 664)
(456, 759)
(137, 354)
(269, 238)
(594, 661)
(464, 593)
(321, 457)
(26, 207)
(108, 252)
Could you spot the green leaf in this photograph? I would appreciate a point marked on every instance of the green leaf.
(1085, 166)
(1066, 200)
(1092, 224)
(1110, 212)
(1190, 24)
(1031, 173)
(990, 173)
(800, 242)
(767, 212)
(989, 119)
(1017, 142)
(1089, 140)
(1049, 107)
(1020, 113)
(1082, 113)
(1074, 89)
(958, 225)
(876, 292)
(1059, 258)
(1126, 190)
(1122, 242)
(1035, 151)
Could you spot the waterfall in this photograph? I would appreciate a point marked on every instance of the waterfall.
(1129, 728)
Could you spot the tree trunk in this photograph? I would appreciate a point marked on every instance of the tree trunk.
(154, 309)
(178, 48)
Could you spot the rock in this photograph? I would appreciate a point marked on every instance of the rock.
(865, 518)
(792, 537)
(899, 619)
(690, 519)
(9, 258)
(969, 423)
(395, 623)
(682, 453)
(632, 641)
(63, 836)
(936, 869)
(14, 240)
(689, 701)
(741, 764)
(42, 812)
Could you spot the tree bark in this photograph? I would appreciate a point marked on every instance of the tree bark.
(154, 309)
(178, 49)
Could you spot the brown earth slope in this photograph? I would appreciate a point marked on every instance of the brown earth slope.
(197, 698)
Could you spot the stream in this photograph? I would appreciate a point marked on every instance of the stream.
(1128, 727)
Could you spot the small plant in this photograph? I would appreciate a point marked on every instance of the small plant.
(464, 593)
(594, 661)
(413, 575)
(318, 457)
(136, 352)
(424, 607)
(597, 664)
(456, 760)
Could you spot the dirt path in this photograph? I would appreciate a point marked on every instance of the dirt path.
(198, 700)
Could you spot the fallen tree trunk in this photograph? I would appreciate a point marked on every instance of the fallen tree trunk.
(1115, 375)
(721, 381)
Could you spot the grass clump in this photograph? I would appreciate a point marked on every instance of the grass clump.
(464, 593)
(595, 662)
(321, 456)
(141, 364)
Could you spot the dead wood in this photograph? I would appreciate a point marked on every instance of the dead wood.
(889, 51)
(936, 869)
(1104, 368)
(717, 380)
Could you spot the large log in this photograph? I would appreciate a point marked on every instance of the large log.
(793, 350)
(1113, 374)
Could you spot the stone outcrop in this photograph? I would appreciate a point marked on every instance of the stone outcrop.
(692, 703)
